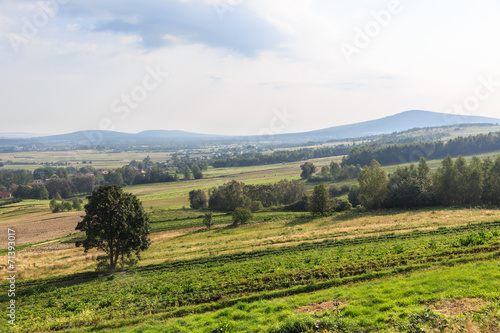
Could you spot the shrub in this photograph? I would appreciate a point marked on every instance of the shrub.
(241, 215)
(77, 205)
(207, 220)
(336, 191)
(298, 206)
(256, 205)
(340, 205)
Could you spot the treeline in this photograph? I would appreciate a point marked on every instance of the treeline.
(48, 182)
(455, 183)
(405, 153)
(236, 194)
(281, 156)
(333, 172)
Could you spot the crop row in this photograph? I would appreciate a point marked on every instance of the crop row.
(252, 255)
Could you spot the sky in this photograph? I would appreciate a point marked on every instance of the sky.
(242, 67)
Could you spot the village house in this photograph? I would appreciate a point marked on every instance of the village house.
(5, 195)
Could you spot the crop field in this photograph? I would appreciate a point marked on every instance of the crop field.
(232, 270)
(427, 270)
(98, 159)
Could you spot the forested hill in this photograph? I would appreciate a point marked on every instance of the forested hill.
(404, 153)
(396, 123)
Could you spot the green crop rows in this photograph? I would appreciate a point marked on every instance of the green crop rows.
(175, 288)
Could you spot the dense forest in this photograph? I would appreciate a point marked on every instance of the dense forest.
(281, 156)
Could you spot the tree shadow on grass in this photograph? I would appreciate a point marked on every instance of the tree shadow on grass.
(47, 285)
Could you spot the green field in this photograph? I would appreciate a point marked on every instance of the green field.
(259, 275)
(427, 270)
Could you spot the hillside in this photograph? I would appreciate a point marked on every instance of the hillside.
(396, 123)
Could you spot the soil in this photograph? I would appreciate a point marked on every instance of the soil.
(321, 307)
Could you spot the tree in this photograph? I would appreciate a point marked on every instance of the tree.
(256, 206)
(77, 205)
(114, 178)
(52, 204)
(115, 222)
(307, 170)
(227, 197)
(319, 203)
(352, 196)
(62, 186)
(197, 174)
(241, 215)
(198, 199)
(446, 182)
(325, 171)
(409, 187)
(491, 191)
(334, 169)
(207, 220)
(187, 173)
(39, 192)
(339, 205)
(67, 206)
(372, 186)
(83, 184)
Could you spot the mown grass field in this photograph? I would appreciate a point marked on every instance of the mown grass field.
(433, 269)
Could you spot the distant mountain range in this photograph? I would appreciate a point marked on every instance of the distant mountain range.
(396, 123)
(20, 135)
(97, 137)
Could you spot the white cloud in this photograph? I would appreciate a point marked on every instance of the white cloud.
(230, 77)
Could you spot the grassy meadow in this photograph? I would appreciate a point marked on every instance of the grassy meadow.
(426, 270)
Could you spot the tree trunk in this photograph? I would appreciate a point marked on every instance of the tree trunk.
(112, 262)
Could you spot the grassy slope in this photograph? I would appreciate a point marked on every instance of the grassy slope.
(145, 294)
(269, 230)
(381, 305)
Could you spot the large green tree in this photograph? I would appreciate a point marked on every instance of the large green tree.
(198, 199)
(373, 182)
(307, 170)
(115, 222)
(197, 174)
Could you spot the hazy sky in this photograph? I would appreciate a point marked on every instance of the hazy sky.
(242, 66)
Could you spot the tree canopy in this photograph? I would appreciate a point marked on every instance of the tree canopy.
(115, 222)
